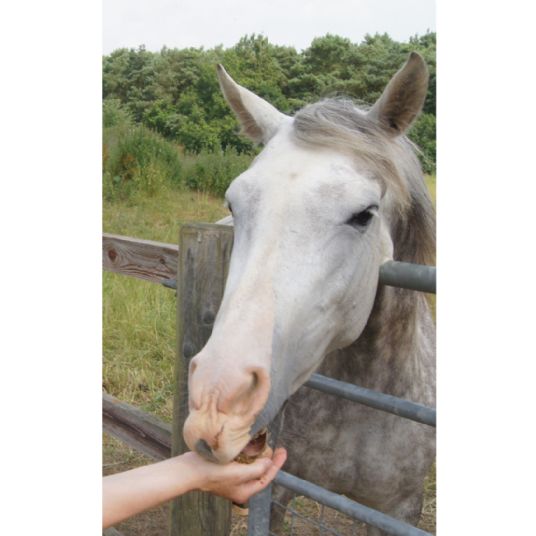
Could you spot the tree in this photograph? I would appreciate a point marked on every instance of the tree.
(176, 92)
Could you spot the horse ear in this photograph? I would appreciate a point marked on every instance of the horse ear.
(403, 98)
(259, 119)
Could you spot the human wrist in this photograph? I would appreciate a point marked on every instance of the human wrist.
(191, 471)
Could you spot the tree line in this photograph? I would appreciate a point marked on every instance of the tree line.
(175, 92)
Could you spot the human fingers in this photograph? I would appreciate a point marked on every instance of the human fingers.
(253, 471)
(278, 459)
(252, 487)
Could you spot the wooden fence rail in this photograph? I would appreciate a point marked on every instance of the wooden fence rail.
(141, 431)
(144, 259)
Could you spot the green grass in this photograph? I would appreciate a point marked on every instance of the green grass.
(431, 183)
(138, 316)
(157, 217)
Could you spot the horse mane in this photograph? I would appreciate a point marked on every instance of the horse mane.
(340, 125)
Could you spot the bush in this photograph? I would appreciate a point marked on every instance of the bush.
(212, 172)
(113, 114)
(136, 159)
(423, 133)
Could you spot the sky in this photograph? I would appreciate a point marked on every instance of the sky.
(208, 23)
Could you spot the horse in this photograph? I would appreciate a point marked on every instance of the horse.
(336, 191)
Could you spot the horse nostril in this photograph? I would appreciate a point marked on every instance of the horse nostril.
(202, 448)
(256, 381)
(193, 366)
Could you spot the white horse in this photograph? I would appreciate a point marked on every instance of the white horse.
(335, 192)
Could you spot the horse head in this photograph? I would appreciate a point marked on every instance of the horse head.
(313, 218)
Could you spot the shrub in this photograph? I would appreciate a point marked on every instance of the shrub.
(423, 133)
(113, 114)
(212, 172)
(136, 159)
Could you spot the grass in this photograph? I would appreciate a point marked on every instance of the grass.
(139, 331)
(138, 316)
(431, 183)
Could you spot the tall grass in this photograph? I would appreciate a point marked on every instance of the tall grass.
(138, 316)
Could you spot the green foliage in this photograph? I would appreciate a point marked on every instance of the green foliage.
(422, 133)
(113, 114)
(175, 93)
(136, 159)
(213, 171)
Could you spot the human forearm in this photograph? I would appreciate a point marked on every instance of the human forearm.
(129, 493)
(132, 492)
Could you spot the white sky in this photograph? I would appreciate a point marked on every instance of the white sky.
(195, 23)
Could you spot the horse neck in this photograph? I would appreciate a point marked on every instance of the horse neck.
(395, 352)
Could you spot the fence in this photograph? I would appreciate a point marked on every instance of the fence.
(197, 270)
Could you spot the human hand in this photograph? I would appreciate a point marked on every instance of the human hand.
(237, 481)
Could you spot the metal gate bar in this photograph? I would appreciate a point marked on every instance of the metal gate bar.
(351, 508)
(259, 511)
(319, 525)
(392, 273)
(408, 275)
(374, 399)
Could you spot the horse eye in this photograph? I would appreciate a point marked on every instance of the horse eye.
(361, 219)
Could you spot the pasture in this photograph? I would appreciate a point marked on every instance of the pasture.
(139, 338)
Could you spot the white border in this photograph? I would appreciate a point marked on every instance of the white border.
(51, 350)
(51, 268)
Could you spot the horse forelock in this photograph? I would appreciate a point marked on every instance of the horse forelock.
(340, 125)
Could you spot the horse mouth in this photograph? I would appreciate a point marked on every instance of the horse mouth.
(254, 449)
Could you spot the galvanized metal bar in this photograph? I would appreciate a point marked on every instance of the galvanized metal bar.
(259, 507)
(170, 283)
(260, 504)
(392, 273)
(351, 508)
(374, 399)
(408, 275)
(320, 525)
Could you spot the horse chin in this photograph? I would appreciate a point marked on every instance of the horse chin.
(254, 449)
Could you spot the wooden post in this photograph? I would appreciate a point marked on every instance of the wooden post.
(204, 253)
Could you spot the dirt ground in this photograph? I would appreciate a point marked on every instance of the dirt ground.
(118, 457)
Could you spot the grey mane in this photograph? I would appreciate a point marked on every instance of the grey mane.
(339, 124)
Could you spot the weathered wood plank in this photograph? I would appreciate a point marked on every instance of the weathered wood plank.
(139, 430)
(204, 256)
(145, 259)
